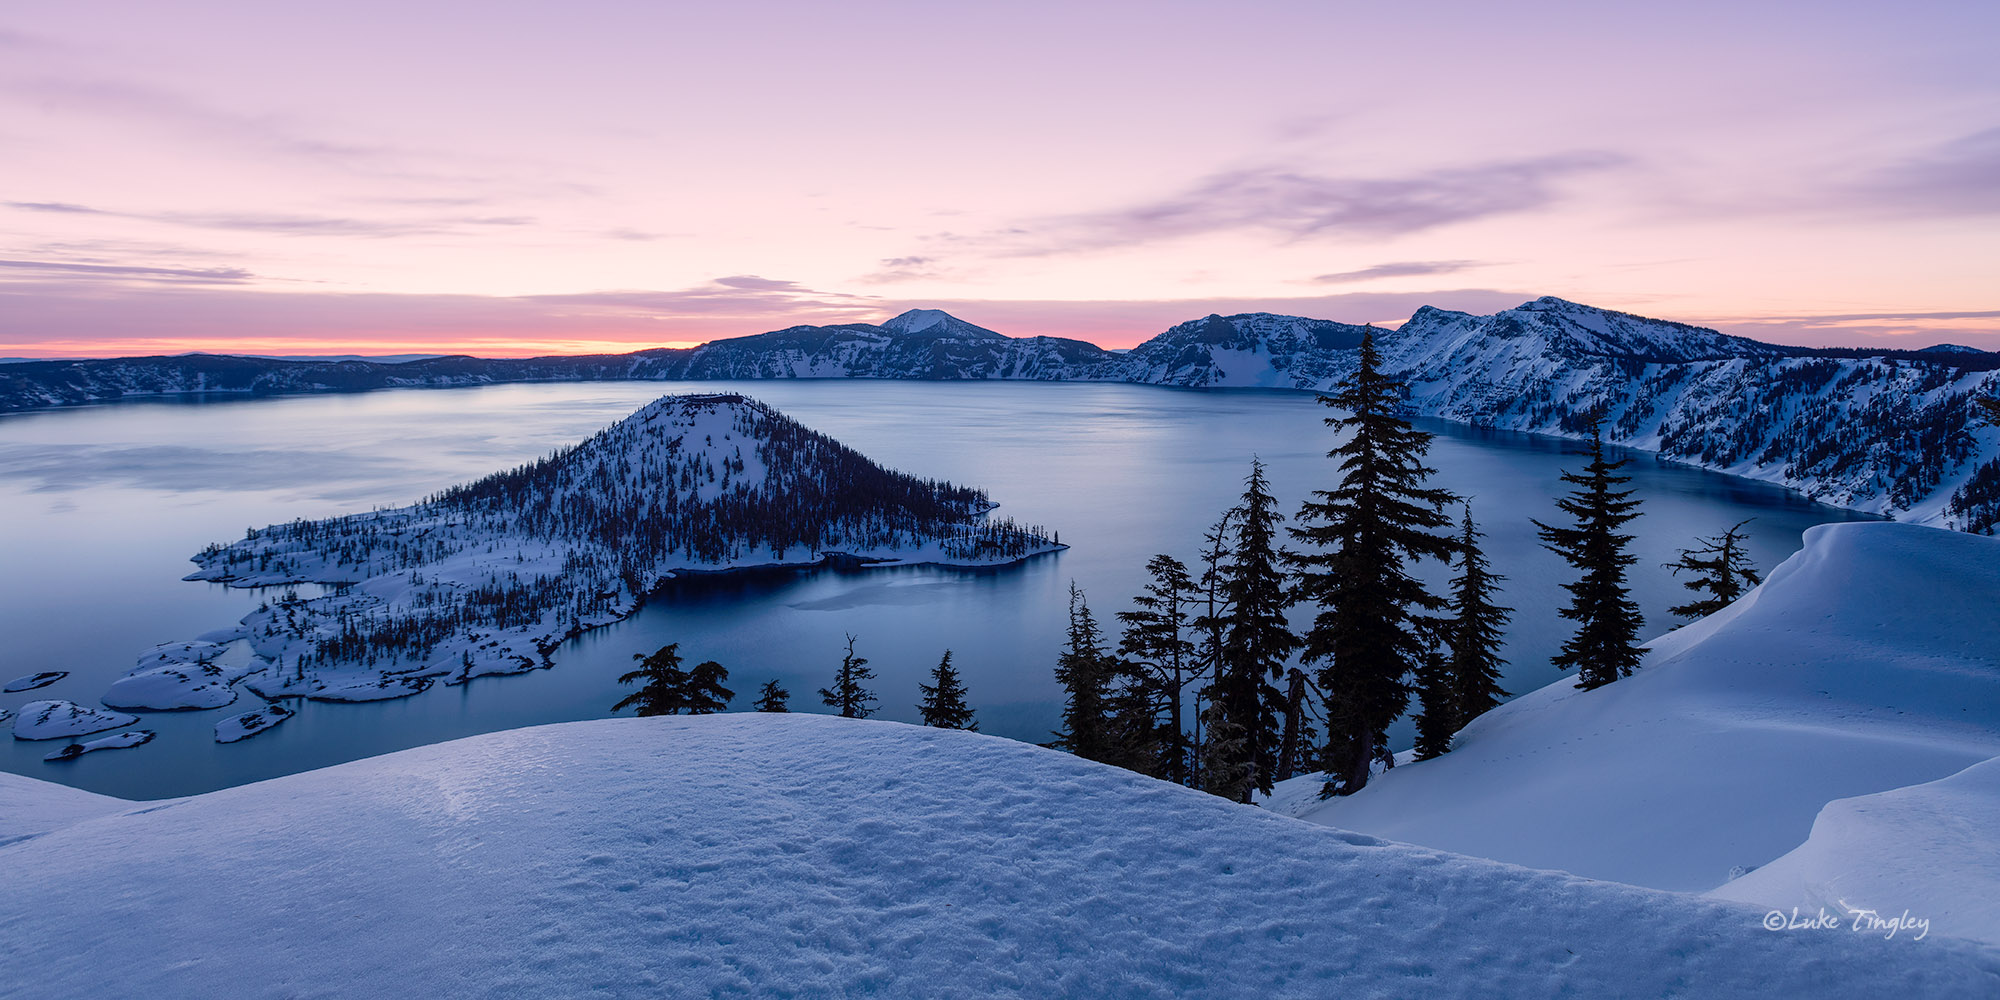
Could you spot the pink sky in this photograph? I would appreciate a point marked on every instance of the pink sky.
(517, 178)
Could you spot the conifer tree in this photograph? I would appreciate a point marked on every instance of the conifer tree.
(1256, 639)
(944, 705)
(1157, 640)
(773, 698)
(1605, 646)
(666, 689)
(1210, 627)
(1437, 714)
(1367, 530)
(1134, 737)
(1085, 673)
(1473, 630)
(1721, 569)
(704, 693)
(847, 693)
(1226, 769)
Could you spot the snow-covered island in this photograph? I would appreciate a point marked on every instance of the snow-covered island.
(487, 577)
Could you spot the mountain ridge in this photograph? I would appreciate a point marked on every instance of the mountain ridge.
(1888, 432)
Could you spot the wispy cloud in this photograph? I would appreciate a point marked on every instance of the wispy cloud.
(287, 224)
(56, 207)
(202, 275)
(1399, 269)
(1297, 205)
(898, 269)
(1906, 329)
(1953, 178)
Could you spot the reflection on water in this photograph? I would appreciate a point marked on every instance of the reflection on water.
(100, 508)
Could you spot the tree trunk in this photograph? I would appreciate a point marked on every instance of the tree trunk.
(1295, 704)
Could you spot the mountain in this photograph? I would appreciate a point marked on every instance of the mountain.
(1865, 663)
(919, 344)
(486, 577)
(1890, 432)
(812, 856)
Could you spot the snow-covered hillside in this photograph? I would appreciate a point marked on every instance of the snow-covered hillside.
(1869, 661)
(486, 578)
(1877, 434)
(1932, 849)
(801, 855)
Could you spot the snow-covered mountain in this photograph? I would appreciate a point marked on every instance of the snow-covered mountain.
(1890, 432)
(1865, 663)
(919, 344)
(485, 578)
(1886, 434)
(805, 855)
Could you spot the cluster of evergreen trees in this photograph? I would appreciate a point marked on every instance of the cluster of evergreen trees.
(1210, 685)
(666, 689)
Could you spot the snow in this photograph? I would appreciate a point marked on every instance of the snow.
(1928, 850)
(1864, 663)
(30, 808)
(175, 676)
(241, 727)
(33, 681)
(48, 720)
(787, 855)
(116, 741)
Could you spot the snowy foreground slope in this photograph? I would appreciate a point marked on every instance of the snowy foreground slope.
(1867, 662)
(810, 855)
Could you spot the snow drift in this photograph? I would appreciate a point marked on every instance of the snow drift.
(1931, 849)
(1866, 662)
(811, 855)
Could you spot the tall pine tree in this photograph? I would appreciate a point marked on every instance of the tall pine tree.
(1256, 639)
(1085, 673)
(944, 705)
(1210, 625)
(1474, 629)
(1157, 639)
(1721, 569)
(1367, 530)
(1605, 646)
(847, 693)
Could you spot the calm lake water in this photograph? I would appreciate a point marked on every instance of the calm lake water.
(101, 507)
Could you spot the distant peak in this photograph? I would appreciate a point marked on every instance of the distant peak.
(935, 322)
(1552, 302)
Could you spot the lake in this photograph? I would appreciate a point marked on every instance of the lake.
(100, 508)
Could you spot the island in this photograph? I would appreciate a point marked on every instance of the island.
(488, 577)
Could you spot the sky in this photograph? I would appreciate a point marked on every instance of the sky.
(513, 178)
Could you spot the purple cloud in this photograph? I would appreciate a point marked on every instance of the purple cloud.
(1298, 205)
(205, 275)
(1399, 269)
(1953, 178)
